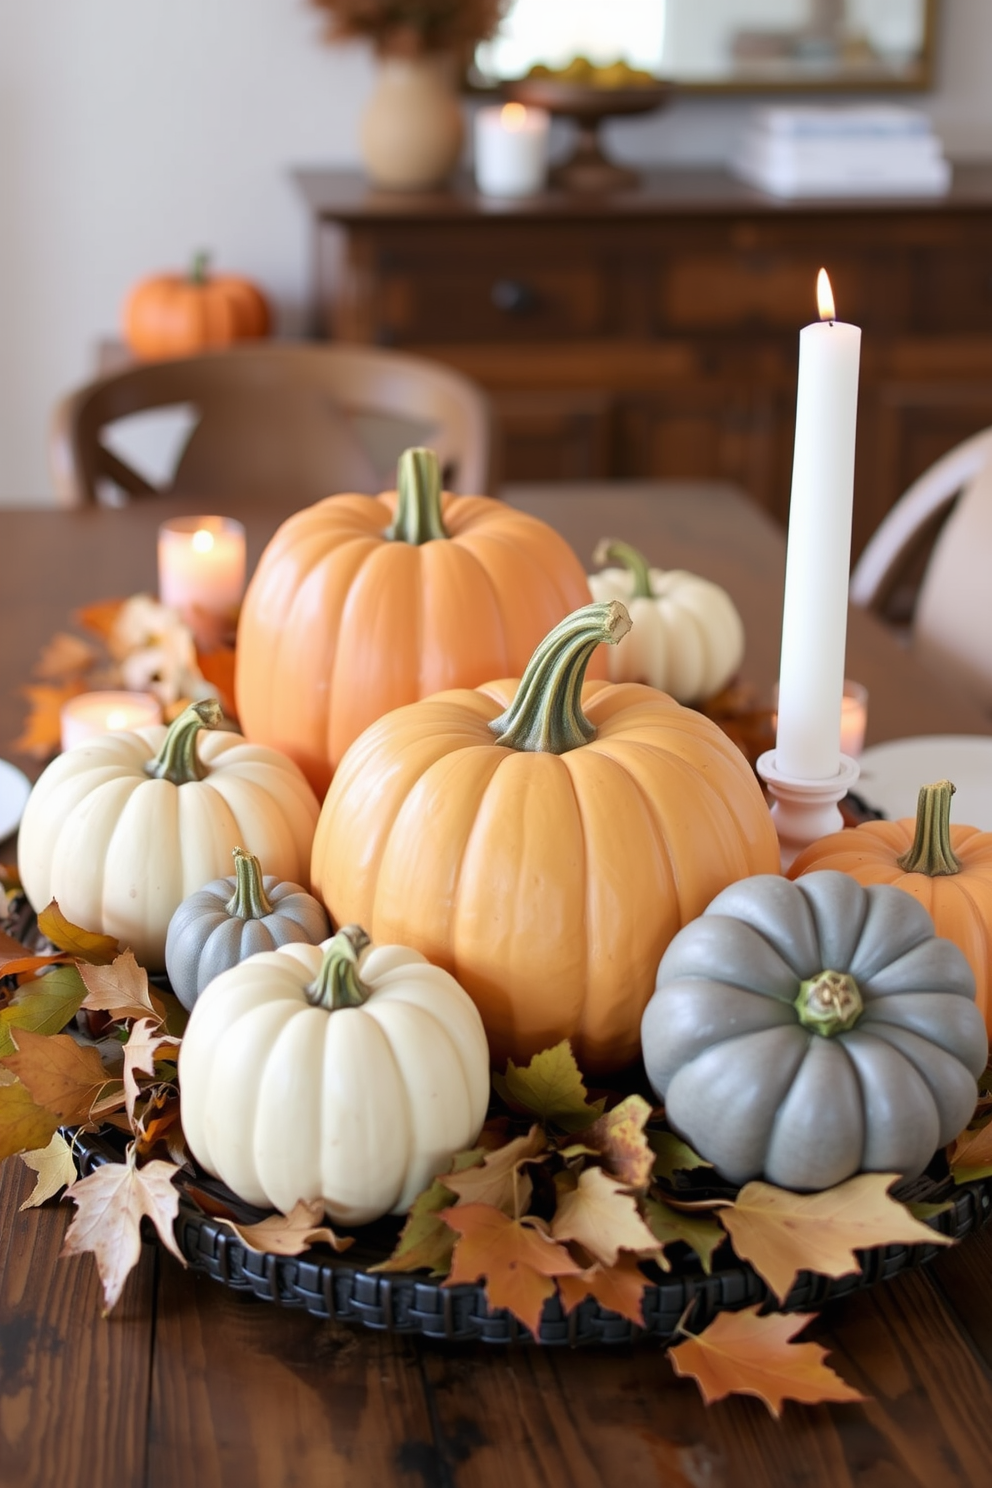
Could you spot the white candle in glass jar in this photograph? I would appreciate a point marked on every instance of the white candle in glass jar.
(92, 713)
(818, 559)
(201, 567)
(511, 150)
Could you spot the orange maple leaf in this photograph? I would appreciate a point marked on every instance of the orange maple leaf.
(99, 618)
(61, 1075)
(517, 1259)
(110, 1204)
(42, 732)
(498, 1180)
(742, 1353)
(602, 1218)
(620, 1288)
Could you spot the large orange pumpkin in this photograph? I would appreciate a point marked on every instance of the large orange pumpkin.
(361, 604)
(948, 868)
(543, 841)
(172, 315)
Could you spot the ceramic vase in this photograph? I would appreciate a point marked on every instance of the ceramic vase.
(412, 128)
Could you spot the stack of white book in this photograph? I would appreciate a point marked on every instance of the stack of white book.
(865, 150)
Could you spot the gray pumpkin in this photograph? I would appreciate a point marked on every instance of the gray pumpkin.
(231, 919)
(808, 1031)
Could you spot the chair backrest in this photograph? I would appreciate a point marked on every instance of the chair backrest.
(952, 623)
(293, 420)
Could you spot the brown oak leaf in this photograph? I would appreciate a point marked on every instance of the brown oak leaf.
(54, 1167)
(620, 1139)
(500, 1180)
(120, 989)
(619, 1287)
(61, 1075)
(783, 1233)
(142, 1049)
(24, 1125)
(290, 1234)
(601, 1217)
(516, 1258)
(742, 1353)
(110, 1204)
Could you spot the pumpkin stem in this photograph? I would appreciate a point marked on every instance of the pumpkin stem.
(546, 715)
(249, 900)
(178, 760)
(418, 499)
(931, 852)
(198, 268)
(337, 983)
(829, 1003)
(611, 550)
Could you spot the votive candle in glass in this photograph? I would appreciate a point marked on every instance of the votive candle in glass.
(511, 150)
(201, 570)
(89, 714)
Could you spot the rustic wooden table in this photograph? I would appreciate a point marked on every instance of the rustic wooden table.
(186, 1384)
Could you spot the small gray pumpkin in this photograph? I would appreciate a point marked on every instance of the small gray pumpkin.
(808, 1031)
(230, 919)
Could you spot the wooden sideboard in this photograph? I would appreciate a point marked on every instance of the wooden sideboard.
(653, 333)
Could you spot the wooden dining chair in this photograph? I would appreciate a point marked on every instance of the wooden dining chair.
(293, 420)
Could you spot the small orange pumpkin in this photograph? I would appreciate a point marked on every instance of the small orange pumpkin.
(172, 315)
(543, 841)
(947, 868)
(361, 604)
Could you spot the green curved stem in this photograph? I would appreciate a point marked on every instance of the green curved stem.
(611, 550)
(931, 852)
(199, 267)
(337, 983)
(249, 900)
(546, 715)
(829, 1003)
(418, 499)
(177, 760)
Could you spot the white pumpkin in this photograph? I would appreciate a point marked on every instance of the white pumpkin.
(339, 1072)
(686, 637)
(122, 828)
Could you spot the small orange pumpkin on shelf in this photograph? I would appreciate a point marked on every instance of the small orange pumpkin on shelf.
(173, 315)
(947, 868)
(543, 841)
(361, 604)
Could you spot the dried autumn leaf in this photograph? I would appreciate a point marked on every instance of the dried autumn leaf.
(290, 1234)
(142, 1049)
(24, 1125)
(88, 945)
(42, 732)
(426, 1241)
(970, 1154)
(741, 1353)
(699, 1231)
(217, 668)
(120, 989)
(620, 1288)
(65, 656)
(61, 1075)
(620, 1139)
(551, 1087)
(516, 1258)
(783, 1233)
(499, 1179)
(160, 1123)
(602, 1218)
(44, 1005)
(54, 1167)
(672, 1155)
(99, 619)
(110, 1204)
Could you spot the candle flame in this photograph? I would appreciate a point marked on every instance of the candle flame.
(202, 540)
(116, 719)
(825, 296)
(513, 116)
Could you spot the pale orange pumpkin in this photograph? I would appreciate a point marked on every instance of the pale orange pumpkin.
(947, 868)
(543, 841)
(172, 315)
(361, 604)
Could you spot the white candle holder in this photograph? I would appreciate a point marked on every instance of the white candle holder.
(805, 810)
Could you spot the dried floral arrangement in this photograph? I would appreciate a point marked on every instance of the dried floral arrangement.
(413, 27)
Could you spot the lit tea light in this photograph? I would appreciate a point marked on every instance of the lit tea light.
(853, 719)
(511, 150)
(94, 713)
(201, 571)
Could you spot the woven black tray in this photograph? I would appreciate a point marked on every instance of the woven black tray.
(341, 1287)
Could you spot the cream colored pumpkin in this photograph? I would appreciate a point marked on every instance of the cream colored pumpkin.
(120, 848)
(686, 639)
(341, 1072)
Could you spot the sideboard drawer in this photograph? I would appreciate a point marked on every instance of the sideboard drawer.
(728, 291)
(951, 291)
(500, 300)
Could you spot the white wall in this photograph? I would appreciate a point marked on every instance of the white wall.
(135, 131)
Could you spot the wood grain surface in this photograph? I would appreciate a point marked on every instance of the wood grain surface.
(188, 1386)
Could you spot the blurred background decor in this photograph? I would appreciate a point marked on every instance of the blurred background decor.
(170, 315)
